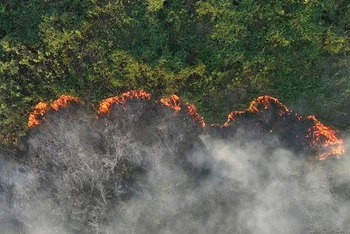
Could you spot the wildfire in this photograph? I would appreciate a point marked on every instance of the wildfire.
(266, 102)
(262, 103)
(233, 115)
(319, 134)
(106, 104)
(38, 112)
(63, 101)
(195, 116)
(174, 102)
(316, 134)
(37, 115)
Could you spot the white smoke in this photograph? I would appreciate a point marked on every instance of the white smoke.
(250, 190)
(117, 176)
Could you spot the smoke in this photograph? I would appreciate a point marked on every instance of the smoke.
(250, 190)
(281, 194)
(144, 169)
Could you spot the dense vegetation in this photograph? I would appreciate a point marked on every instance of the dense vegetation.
(216, 54)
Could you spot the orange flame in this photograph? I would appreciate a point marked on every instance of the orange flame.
(195, 116)
(63, 101)
(36, 114)
(266, 102)
(174, 103)
(106, 104)
(40, 109)
(326, 137)
(233, 115)
(319, 134)
(254, 106)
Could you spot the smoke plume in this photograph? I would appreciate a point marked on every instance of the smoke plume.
(141, 166)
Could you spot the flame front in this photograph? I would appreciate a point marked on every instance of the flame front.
(319, 134)
(63, 101)
(195, 116)
(106, 104)
(174, 103)
(41, 108)
(38, 112)
(254, 107)
(266, 102)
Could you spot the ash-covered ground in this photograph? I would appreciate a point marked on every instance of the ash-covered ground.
(146, 168)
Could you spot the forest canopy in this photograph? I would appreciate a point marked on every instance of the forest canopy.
(216, 54)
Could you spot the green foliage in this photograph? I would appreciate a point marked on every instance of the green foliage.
(215, 54)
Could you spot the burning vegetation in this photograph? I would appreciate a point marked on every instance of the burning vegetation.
(106, 104)
(264, 116)
(38, 114)
(175, 103)
(144, 150)
(325, 137)
(268, 115)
